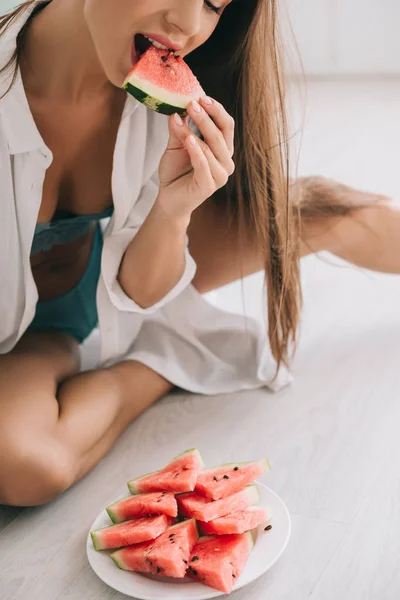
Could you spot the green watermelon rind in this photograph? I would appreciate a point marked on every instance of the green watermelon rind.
(95, 535)
(153, 103)
(132, 484)
(112, 514)
(94, 540)
(118, 562)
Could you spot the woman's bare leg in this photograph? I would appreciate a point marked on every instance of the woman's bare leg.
(360, 227)
(55, 423)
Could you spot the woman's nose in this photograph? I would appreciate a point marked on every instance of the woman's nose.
(186, 16)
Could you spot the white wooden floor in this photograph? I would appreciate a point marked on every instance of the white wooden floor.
(332, 437)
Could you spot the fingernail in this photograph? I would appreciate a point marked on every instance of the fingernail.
(192, 140)
(207, 100)
(178, 120)
(196, 106)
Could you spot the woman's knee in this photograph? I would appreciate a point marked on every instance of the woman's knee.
(33, 471)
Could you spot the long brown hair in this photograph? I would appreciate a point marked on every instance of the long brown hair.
(240, 65)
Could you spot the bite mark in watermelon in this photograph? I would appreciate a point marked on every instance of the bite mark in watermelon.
(168, 555)
(237, 522)
(163, 82)
(130, 532)
(180, 475)
(218, 561)
(143, 505)
(220, 482)
(194, 505)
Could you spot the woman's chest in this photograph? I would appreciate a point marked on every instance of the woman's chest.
(82, 143)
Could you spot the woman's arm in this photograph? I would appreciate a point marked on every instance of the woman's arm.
(190, 172)
(155, 260)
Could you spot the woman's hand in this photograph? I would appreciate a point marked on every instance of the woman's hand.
(191, 170)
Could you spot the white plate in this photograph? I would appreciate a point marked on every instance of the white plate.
(269, 546)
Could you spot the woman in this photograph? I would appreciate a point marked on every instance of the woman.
(74, 148)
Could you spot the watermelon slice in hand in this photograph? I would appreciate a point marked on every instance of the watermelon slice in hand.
(237, 522)
(163, 82)
(178, 476)
(168, 555)
(220, 482)
(218, 561)
(194, 505)
(130, 532)
(144, 505)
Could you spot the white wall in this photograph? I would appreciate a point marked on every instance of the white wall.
(348, 36)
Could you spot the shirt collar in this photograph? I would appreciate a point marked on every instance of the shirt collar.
(17, 122)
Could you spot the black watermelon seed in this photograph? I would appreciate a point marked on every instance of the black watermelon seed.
(226, 477)
(233, 575)
(268, 527)
(159, 569)
(164, 58)
(185, 561)
(195, 558)
(236, 469)
(215, 479)
(195, 573)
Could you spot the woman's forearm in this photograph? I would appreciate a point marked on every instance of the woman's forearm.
(154, 261)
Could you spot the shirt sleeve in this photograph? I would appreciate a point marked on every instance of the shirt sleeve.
(115, 246)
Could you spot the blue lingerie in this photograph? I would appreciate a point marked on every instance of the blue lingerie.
(75, 312)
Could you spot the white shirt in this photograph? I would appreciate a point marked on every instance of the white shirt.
(184, 338)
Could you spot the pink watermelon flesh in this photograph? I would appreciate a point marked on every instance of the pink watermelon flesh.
(130, 532)
(168, 555)
(225, 480)
(167, 71)
(219, 561)
(193, 505)
(237, 522)
(178, 476)
(143, 505)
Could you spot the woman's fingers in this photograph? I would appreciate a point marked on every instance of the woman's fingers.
(217, 173)
(217, 128)
(213, 136)
(203, 178)
(222, 119)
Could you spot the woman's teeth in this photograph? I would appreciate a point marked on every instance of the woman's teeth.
(156, 44)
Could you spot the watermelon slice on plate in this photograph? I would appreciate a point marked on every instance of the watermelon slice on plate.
(194, 505)
(130, 532)
(180, 475)
(237, 522)
(143, 505)
(218, 561)
(222, 481)
(163, 82)
(168, 555)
